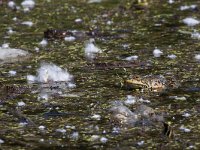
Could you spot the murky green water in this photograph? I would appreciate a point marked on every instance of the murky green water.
(133, 31)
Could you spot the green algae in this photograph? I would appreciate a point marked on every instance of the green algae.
(95, 89)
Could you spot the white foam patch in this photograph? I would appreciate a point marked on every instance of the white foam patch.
(195, 35)
(94, 137)
(11, 4)
(103, 139)
(5, 45)
(78, 20)
(1, 141)
(96, 117)
(31, 78)
(61, 130)
(94, 1)
(172, 56)
(15, 19)
(186, 7)
(130, 100)
(43, 43)
(70, 38)
(20, 104)
(140, 143)
(41, 127)
(157, 52)
(184, 129)
(74, 136)
(91, 50)
(12, 72)
(186, 115)
(30, 4)
(190, 21)
(10, 31)
(131, 58)
(43, 96)
(51, 73)
(27, 23)
(7, 52)
(170, 1)
(197, 56)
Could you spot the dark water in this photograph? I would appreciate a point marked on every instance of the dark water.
(135, 29)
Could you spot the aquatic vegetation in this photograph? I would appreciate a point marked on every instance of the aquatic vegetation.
(49, 112)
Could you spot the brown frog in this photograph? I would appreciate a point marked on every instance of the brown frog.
(153, 82)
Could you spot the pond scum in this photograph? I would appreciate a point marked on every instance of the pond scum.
(64, 65)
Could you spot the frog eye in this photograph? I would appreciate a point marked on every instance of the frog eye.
(155, 84)
(136, 77)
